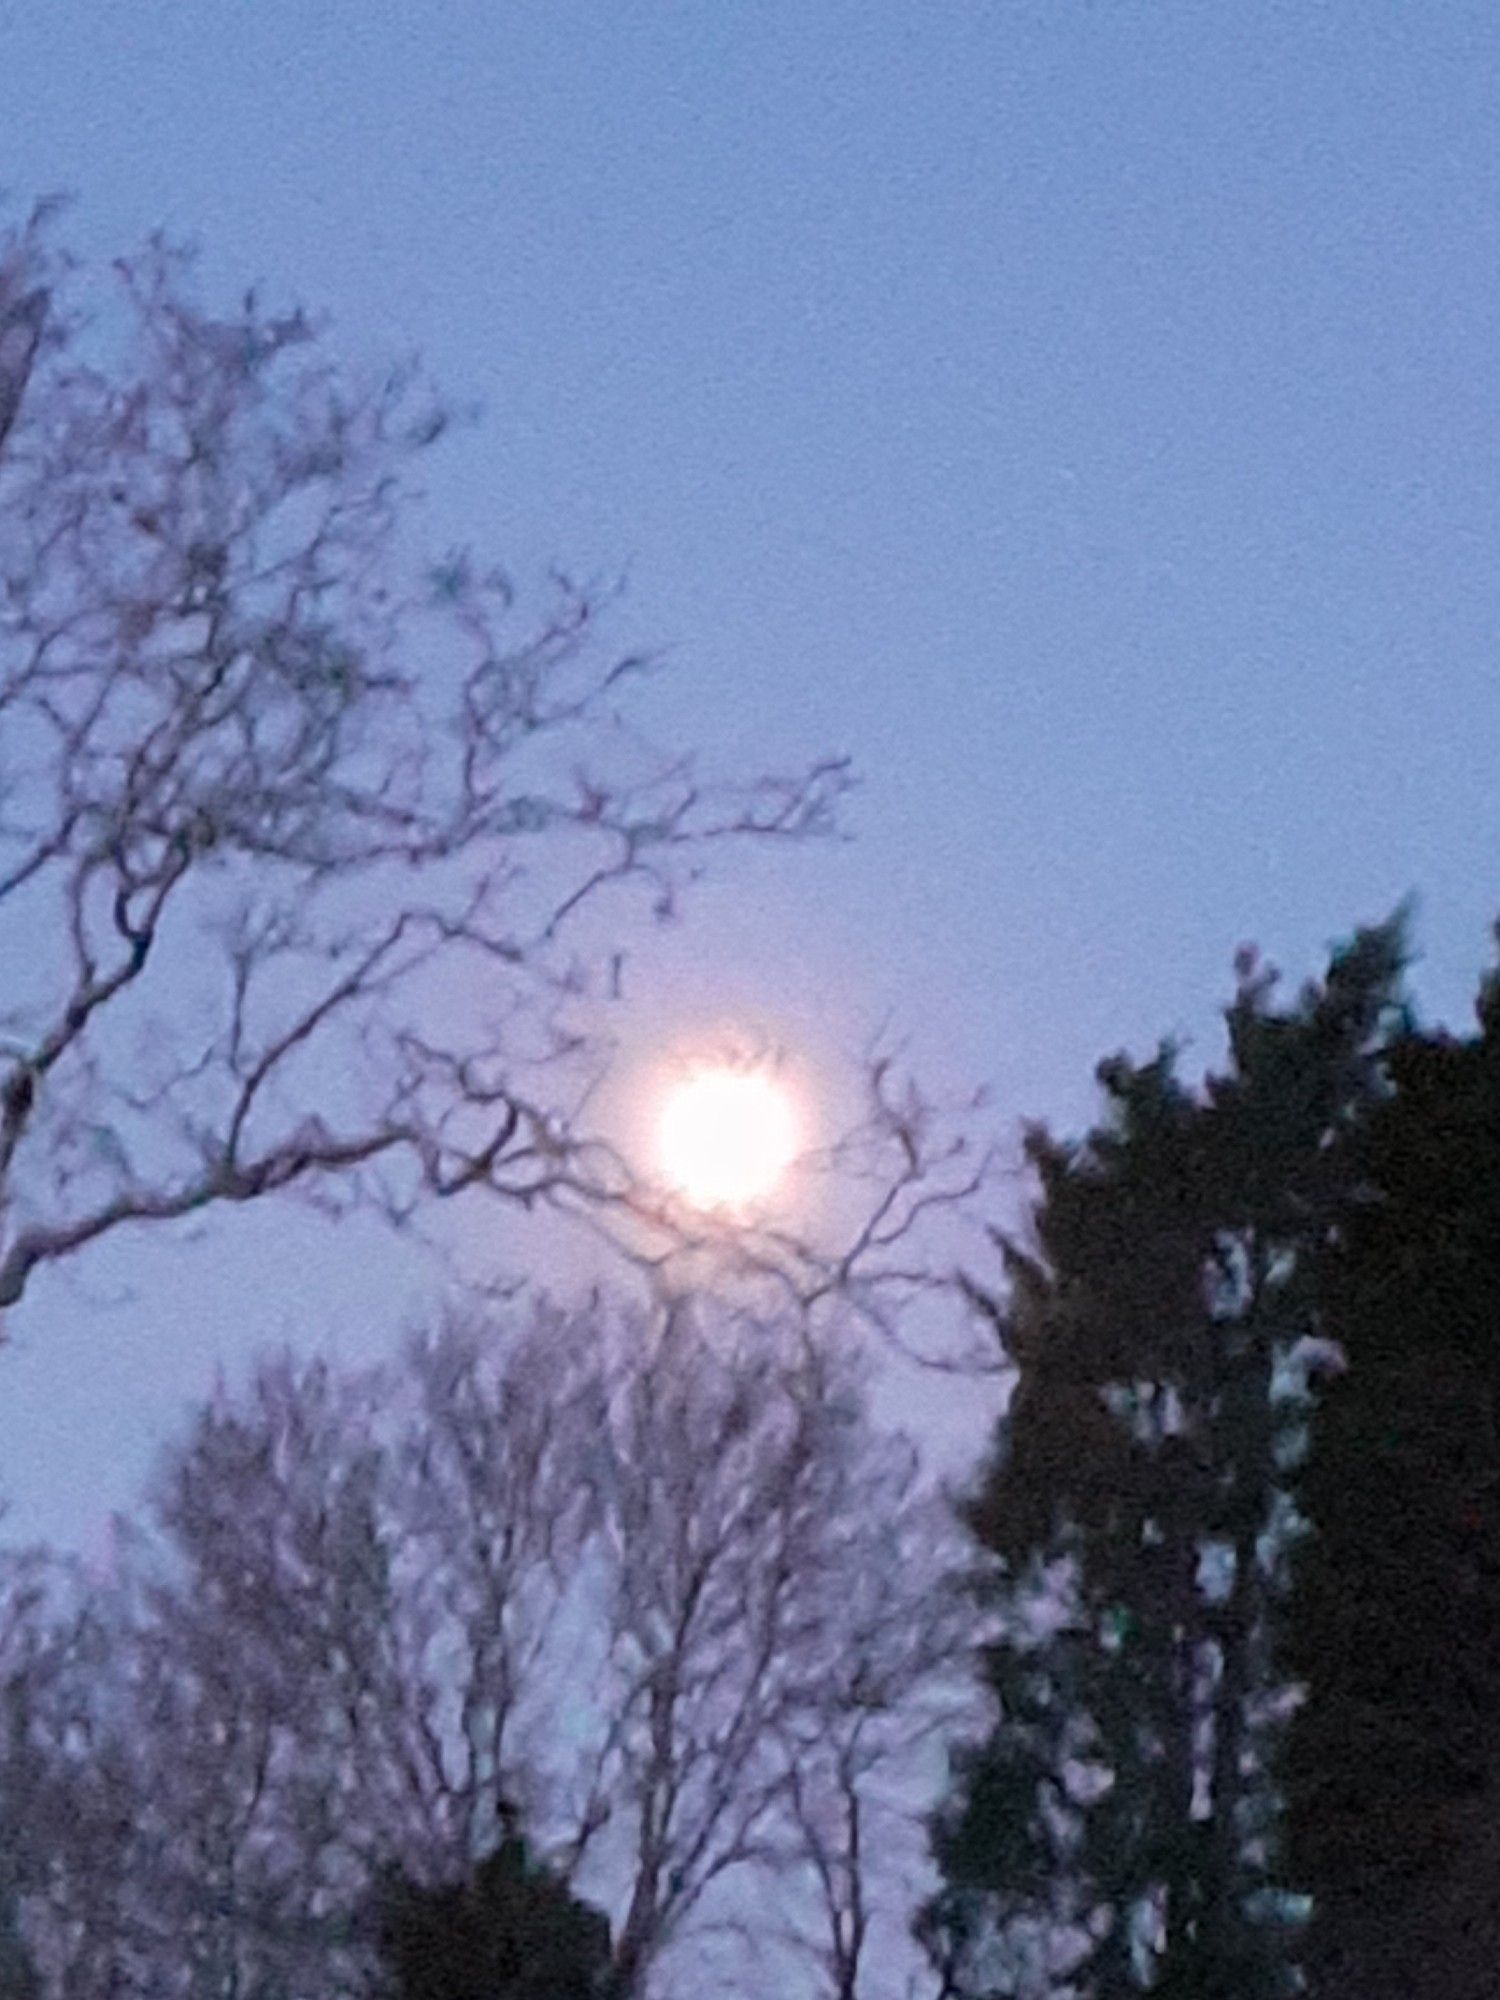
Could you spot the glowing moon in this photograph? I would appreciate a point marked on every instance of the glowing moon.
(727, 1137)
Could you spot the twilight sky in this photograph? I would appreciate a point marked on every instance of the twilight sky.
(1084, 414)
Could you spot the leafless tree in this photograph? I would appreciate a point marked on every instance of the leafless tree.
(653, 1585)
(293, 849)
(779, 1582)
(863, 1763)
(66, 1777)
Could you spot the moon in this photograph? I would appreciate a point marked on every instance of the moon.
(727, 1137)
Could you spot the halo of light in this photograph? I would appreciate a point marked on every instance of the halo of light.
(727, 1136)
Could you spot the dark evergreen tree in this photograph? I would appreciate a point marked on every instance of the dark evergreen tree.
(514, 1931)
(1391, 1772)
(1158, 1324)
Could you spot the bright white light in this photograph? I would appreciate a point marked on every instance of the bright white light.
(727, 1137)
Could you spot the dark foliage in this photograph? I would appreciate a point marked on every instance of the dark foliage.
(1390, 1778)
(1128, 1792)
(513, 1932)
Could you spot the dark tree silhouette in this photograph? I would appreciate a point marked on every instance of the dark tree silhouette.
(1392, 1764)
(513, 1932)
(1122, 1813)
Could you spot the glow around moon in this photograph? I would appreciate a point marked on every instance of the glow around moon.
(727, 1137)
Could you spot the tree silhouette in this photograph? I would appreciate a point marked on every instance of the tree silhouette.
(1391, 1758)
(513, 1932)
(1122, 1812)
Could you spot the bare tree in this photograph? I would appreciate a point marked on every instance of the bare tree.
(293, 851)
(629, 1580)
(863, 1761)
(756, 1609)
(67, 1779)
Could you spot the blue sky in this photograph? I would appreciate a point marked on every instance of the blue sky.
(1083, 414)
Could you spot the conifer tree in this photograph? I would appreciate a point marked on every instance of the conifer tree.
(1160, 1322)
(1396, 1626)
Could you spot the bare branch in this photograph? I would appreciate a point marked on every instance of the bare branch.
(263, 791)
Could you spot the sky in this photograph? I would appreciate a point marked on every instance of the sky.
(1084, 415)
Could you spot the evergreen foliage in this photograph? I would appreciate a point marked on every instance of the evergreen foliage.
(1118, 1826)
(1396, 1633)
